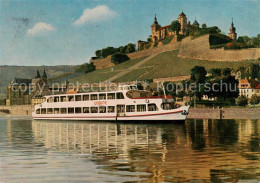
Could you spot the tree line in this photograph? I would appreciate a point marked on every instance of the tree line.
(103, 53)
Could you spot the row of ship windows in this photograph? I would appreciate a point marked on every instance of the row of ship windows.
(101, 109)
(72, 98)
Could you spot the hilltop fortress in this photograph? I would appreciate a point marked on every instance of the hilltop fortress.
(198, 48)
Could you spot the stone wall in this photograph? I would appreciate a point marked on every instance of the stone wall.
(224, 113)
(18, 109)
(106, 62)
(171, 79)
(200, 49)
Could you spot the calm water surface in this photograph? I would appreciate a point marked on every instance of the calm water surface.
(198, 151)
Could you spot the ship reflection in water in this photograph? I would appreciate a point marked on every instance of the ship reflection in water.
(202, 150)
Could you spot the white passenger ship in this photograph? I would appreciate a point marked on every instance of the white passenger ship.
(126, 103)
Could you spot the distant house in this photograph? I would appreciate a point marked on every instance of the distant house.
(257, 89)
(248, 87)
(29, 91)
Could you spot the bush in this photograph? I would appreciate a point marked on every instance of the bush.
(242, 100)
(119, 58)
(254, 99)
(147, 46)
(167, 40)
(86, 67)
(218, 39)
(233, 45)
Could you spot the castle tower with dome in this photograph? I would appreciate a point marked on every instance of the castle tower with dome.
(183, 21)
(232, 32)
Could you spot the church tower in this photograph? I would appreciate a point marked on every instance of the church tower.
(183, 21)
(155, 27)
(38, 75)
(232, 32)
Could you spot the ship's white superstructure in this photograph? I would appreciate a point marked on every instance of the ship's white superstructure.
(126, 103)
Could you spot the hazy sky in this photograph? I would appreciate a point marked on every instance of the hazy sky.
(54, 32)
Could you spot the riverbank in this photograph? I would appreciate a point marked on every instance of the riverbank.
(194, 113)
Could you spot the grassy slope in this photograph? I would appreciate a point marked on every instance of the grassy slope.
(169, 65)
(166, 64)
(103, 74)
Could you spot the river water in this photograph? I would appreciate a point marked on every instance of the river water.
(64, 151)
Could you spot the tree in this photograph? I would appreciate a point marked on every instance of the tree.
(130, 48)
(215, 72)
(204, 26)
(198, 74)
(254, 99)
(98, 53)
(108, 51)
(240, 39)
(122, 49)
(242, 100)
(254, 70)
(198, 77)
(175, 26)
(226, 71)
(86, 67)
(118, 58)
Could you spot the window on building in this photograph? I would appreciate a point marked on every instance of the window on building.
(71, 98)
(20, 94)
(167, 106)
(50, 100)
(141, 108)
(63, 99)
(78, 110)
(43, 111)
(38, 111)
(56, 110)
(49, 111)
(85, 109)
(152, 107)
(130, 108)
(111, 96)
(111, 109)
(85, 97)
(94, 109)
(71, 110)
(119, 95)
(78, 98)
(93, 97)
(102, 109)
(102, 96)
(63, 110)
(56, 99)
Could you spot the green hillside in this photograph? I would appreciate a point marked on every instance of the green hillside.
(166, 64)
(103, 74)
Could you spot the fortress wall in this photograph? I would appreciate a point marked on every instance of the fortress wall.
(106, 62)
(200, 49)
(224, 113)
(18, 109)
(102, 63)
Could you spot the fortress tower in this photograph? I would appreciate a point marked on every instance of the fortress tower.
(183, 21)
(155, 27)
(232, 32)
